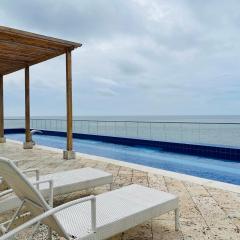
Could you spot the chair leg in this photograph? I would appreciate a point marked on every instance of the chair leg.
(34, 231)
(176, 219)
(110, 186)
(49, 233)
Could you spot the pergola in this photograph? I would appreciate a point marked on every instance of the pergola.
(20, 50)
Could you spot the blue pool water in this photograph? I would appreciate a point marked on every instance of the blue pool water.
(220, 170)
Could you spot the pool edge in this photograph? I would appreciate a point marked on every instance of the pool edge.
(179, 176)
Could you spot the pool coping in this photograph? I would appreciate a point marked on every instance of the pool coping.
(179, 176)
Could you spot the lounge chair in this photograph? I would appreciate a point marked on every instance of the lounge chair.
(64, 182)
(91, 217)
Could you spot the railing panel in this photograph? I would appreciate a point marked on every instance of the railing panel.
(225, 134)
(190, 133)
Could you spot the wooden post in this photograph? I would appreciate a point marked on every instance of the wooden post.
(2, 138)
(69, 153)
(28, 141)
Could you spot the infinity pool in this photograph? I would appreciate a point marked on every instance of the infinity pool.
(215, 169)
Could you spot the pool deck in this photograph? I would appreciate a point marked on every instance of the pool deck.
(206, 212)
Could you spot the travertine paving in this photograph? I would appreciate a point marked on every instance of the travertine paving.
(205, 213)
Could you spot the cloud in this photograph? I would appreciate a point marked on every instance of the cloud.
(106, 92)
(105, 81)
(157, 57)
(129, 67)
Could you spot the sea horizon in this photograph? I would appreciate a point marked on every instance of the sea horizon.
(147, 118)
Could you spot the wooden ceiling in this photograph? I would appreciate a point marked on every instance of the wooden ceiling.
(19, 49)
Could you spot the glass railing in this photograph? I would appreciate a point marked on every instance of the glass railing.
(224, 134)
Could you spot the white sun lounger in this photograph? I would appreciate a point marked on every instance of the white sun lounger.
(64, 182)
(91, 217)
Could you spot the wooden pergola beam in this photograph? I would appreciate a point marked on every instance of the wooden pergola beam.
(2, 138)
(19, 46)
(29, 38)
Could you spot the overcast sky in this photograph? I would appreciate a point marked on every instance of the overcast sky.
(139, 57)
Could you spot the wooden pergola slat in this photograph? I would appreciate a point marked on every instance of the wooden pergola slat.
(20, 50)
(20, 45)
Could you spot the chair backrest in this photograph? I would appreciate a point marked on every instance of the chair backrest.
(3, 184)
(25, 190)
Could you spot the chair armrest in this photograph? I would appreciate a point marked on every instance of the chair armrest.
(32, 170)
(28, 171)
(53, 211)
(50, 182)
(16, 162)
(6, 192)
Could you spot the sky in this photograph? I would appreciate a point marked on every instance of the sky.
(139, 57)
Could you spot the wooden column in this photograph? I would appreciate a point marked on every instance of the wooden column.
(28, 141)
(2, 139)
(69, 154)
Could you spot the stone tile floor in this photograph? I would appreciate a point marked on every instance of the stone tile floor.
(205, 212)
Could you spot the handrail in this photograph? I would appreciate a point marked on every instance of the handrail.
(122, 121)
